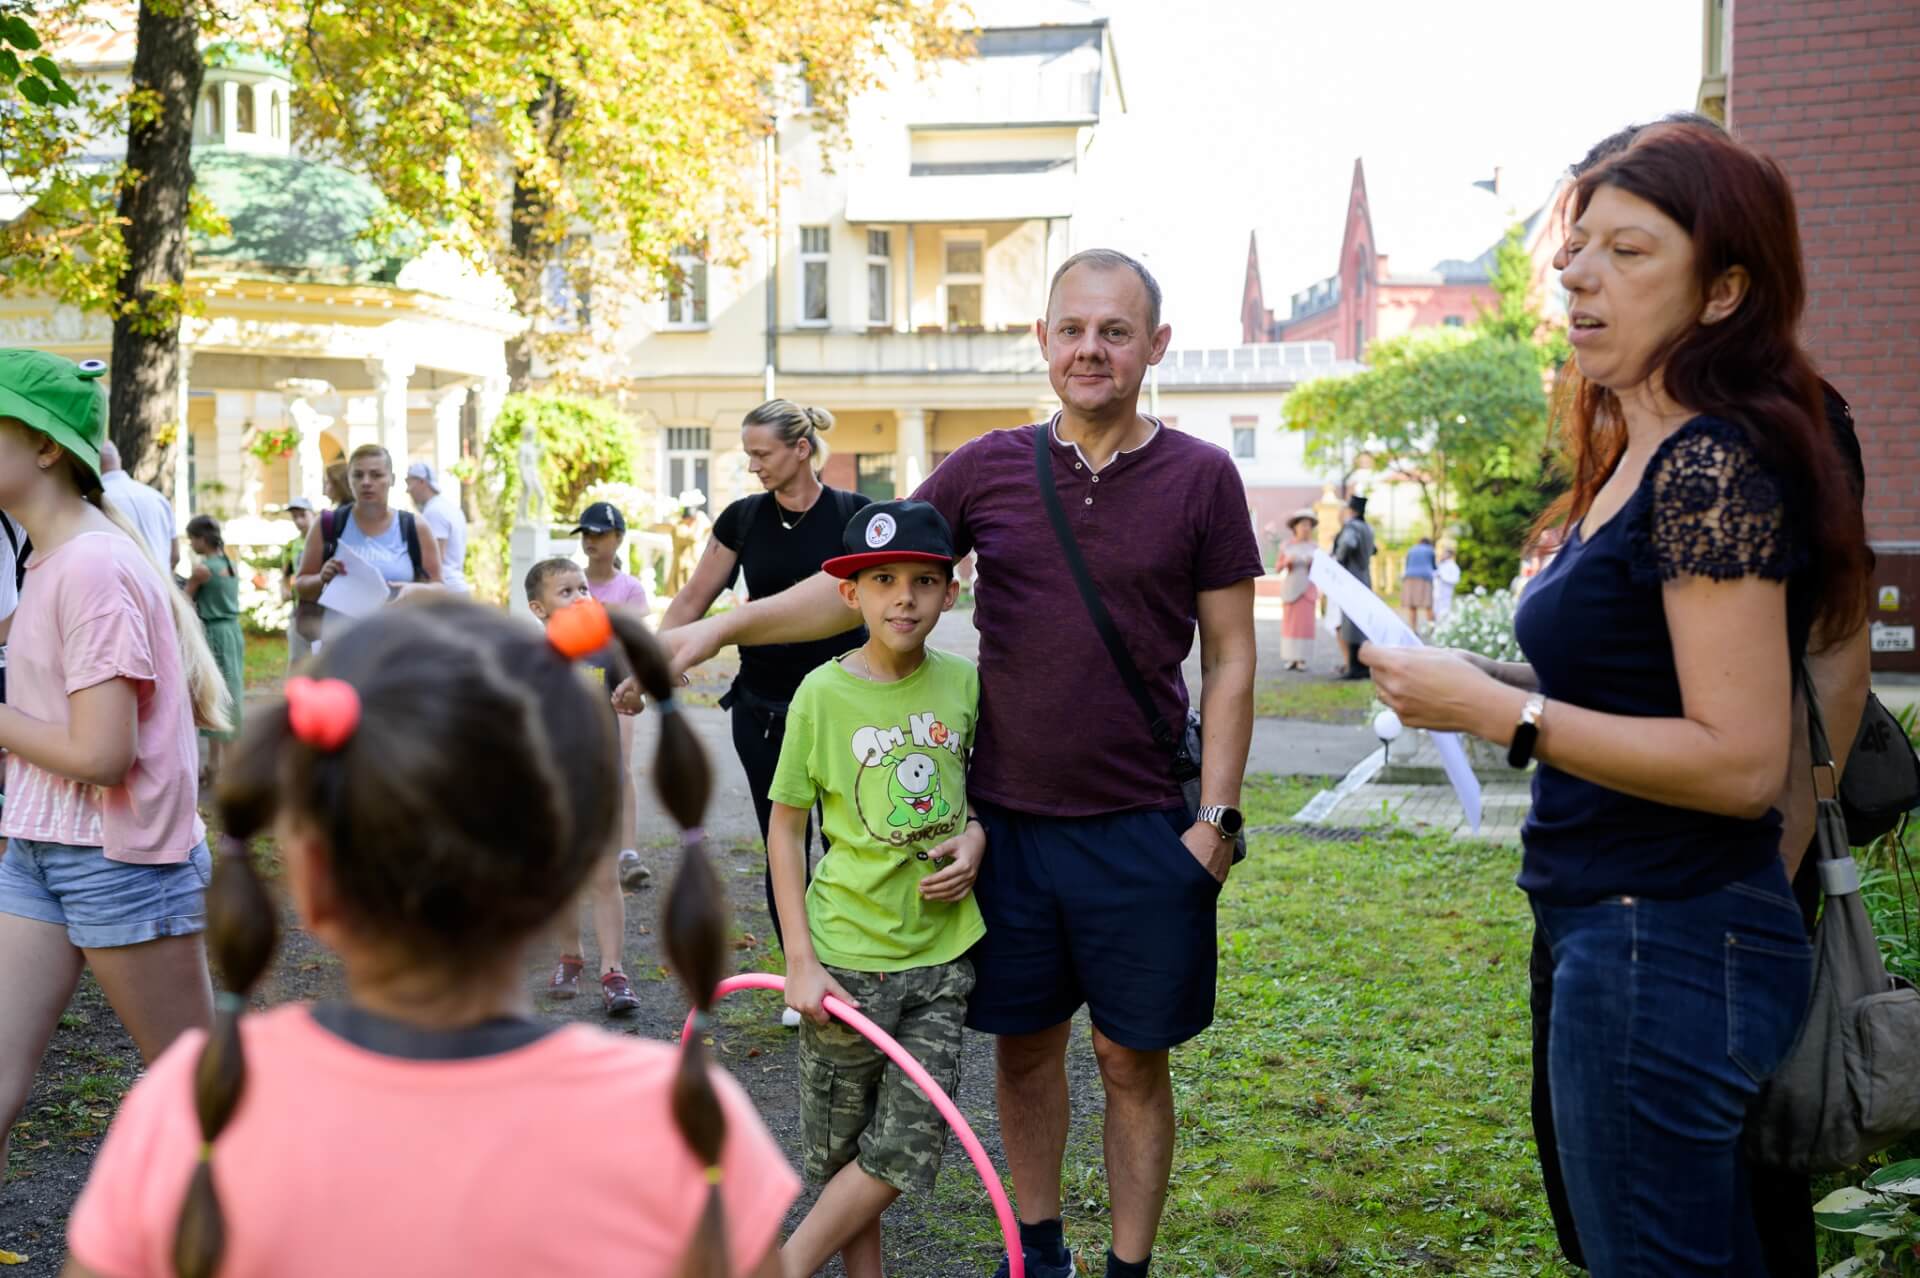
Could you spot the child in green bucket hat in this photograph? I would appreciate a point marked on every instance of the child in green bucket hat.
(108, 674)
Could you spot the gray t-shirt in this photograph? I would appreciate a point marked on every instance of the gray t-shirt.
(1353, 549)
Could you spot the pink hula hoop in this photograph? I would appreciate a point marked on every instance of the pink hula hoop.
(1002, 1209)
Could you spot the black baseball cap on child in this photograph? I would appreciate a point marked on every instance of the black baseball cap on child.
(602, 516)
(888, 532)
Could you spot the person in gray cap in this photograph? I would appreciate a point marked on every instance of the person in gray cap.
(300, 511)
(445, 518)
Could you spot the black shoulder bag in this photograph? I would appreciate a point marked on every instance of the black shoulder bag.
(1184, 751)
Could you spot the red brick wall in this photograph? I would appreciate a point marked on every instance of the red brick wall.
(1831, 90)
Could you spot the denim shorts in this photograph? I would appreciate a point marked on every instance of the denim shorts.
(102, 903)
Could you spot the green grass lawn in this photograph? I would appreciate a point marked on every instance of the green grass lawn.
(1360, 1105)
(1312, 697)
(266, 662)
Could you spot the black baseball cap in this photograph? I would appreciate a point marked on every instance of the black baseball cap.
(888, 532)
(602, 516)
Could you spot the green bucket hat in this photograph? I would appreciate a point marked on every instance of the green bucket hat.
(57, 397)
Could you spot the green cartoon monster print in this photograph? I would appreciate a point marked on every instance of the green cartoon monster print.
(914, 788)
(900, 795)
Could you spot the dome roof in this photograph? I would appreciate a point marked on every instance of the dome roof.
(295, 218)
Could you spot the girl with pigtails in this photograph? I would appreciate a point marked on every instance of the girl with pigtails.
(106, 860)
(427, 1124)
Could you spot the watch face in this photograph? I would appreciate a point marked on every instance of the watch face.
(1231, 821)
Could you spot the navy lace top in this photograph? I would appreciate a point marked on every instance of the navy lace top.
(1594, 627)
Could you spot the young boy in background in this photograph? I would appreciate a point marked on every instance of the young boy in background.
(880, 737)
(553, 584)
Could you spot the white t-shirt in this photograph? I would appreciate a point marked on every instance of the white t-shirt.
(1445, 577)
(448, 523)
(145, 509)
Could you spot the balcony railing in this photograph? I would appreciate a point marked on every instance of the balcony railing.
(1259, 364)
(884, 351)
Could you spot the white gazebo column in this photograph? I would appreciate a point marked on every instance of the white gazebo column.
(448, 406)
(911, 463)
(232, 410)
(182, 491)
(390, 375)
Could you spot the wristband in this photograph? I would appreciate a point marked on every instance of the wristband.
(1527, 732)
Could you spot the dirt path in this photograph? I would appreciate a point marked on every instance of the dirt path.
(92, 1061)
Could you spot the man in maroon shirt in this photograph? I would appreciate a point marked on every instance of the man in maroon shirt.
(1100, 886)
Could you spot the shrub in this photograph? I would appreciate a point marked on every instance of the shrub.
(1481, 622)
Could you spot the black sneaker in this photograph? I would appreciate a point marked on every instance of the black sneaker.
(1037, 1268)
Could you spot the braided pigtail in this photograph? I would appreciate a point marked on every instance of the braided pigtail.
(694, 930)
(242, 929)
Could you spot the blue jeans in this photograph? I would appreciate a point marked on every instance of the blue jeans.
(1666, 1017)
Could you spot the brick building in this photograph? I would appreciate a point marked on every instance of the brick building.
(1409, 259)
(1831, 90)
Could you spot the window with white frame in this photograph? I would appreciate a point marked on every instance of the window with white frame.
(243, 108)
(1245, 438)
(687, 298)
(879, 277)
(689, 460)
(568, 295)
(814, 245)
(964, 281)
(276, 114)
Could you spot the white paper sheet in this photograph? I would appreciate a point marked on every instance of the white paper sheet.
(360, 591)
(1381, 624)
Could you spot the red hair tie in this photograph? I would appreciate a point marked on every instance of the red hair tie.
(323, 713)
(580, 629)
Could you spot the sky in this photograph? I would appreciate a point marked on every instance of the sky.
(1250, 113)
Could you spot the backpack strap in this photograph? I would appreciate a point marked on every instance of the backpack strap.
(21, 545)
(410, 533)
(332, 524)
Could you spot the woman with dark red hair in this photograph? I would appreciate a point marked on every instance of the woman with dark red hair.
(1711, 541)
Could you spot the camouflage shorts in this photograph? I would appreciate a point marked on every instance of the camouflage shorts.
(855, 1102)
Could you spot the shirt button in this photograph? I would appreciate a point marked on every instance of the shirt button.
(1096, 479)
(1077, 466)
(1089, 501)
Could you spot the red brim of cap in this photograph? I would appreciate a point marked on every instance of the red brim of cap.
(846, 565)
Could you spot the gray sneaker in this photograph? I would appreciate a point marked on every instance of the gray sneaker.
(633, 874)
(1037, 1268)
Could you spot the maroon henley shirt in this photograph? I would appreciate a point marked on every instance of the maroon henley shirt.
(1058, 734)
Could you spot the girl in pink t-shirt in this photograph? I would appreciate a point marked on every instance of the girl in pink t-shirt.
(602, 531)
(438, 792)
(106, 862)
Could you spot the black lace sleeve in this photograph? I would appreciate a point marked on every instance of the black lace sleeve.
(1709, 508)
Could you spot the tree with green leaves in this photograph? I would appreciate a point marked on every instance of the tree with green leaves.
(509, 129)
(1430, 405)
(1459, 413)
(109, 238)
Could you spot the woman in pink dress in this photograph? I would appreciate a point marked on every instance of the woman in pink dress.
(1297, 595)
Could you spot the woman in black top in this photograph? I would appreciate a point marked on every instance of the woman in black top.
(779, 538)
(1711, 540)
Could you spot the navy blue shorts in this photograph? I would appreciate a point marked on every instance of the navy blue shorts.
(1109, 911)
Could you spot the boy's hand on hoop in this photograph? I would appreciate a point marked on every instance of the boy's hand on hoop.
(627, 698)
(956, 880)
(808, 984)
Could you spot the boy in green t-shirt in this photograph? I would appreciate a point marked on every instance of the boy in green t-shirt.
(880, 737)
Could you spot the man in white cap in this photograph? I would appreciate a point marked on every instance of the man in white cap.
(445, 518)
(144, 507)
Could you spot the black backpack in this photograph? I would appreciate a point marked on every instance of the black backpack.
(334, 522)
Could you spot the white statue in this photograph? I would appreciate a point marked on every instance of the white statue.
(533, 495)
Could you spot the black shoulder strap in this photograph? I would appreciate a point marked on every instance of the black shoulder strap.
(21, 546)
(410, 533)
(1103, 620)
(332, 524)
